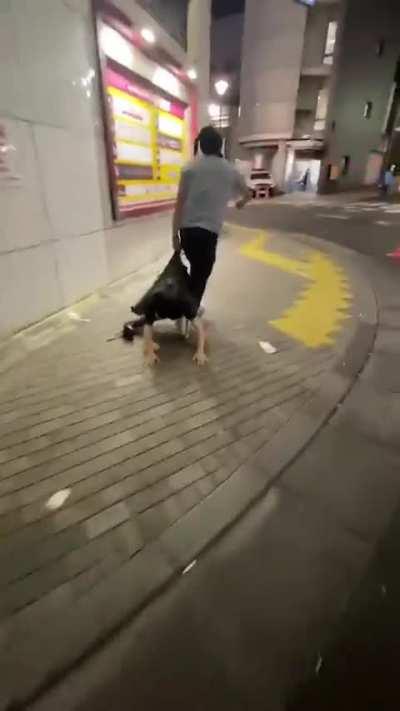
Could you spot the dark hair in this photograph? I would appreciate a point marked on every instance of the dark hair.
(210, 141)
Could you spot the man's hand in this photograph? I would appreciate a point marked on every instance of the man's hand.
(244, 200)
(176, 242)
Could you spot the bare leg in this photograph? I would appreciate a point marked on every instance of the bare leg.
(183, 327)
(200, 357)
(150, 348)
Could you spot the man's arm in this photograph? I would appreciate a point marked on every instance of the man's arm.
(242, 190)
(177, 218)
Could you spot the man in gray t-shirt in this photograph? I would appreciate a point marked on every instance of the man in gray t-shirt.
(207, 185)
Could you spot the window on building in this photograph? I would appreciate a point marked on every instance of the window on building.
(345, 166)
(322, 110)
(330, 42)
(368, 109)
(319, 125)
(220, 115)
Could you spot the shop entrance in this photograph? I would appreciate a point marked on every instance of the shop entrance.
(305, 175)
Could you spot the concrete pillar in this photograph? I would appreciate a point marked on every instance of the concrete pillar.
(199, 41)
(271, 64)
(279, 164)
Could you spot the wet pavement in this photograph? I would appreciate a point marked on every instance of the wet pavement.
(360, 669)
(291, 610)
(264, 618)
(370, 226)
(113, 478)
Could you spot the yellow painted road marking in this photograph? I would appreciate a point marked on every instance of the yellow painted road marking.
(256, 250)
(318, 313)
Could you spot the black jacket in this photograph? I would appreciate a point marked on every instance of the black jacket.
(169, 297)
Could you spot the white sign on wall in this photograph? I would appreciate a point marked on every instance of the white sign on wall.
(118, 48)
(8, 173)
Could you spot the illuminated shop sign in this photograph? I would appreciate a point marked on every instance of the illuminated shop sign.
(147, 118)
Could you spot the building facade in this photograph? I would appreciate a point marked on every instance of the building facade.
(84, 143)
(311, 69)
(170, 14)
(226, 55)
(362, 114)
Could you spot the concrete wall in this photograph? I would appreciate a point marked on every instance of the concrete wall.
(226, 43)
(226, 55)
(307, 98)
(318, 20)
(272, 57)
(362, 76)
(57, 239)
(308, 93)
(199, 42)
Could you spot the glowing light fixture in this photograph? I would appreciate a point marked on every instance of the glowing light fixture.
(192, 74)
(148, 35)
(221, 87)
(214, 111)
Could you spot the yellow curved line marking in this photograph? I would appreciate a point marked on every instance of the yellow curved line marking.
(319, 311)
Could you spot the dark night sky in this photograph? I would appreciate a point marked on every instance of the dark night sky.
(227, 7)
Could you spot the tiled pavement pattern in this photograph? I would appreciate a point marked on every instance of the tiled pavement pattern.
(137, 449)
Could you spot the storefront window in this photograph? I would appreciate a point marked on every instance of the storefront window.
(147, 117)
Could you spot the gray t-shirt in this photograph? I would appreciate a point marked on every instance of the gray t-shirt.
(208, 184)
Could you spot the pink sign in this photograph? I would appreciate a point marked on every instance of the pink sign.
(118, 81)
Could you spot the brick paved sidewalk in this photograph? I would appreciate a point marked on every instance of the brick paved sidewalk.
(134, 451)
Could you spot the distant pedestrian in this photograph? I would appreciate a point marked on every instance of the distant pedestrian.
(304, 179)
(389, 181)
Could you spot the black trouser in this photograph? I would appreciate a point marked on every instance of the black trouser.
(200, 248)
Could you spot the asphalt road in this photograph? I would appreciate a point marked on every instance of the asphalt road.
(369, 227)
(248, 624)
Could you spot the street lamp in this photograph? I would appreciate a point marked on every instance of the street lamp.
(192, 74)
(221, 87)
(148, 35)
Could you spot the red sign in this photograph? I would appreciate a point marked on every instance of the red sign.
(395, 255)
